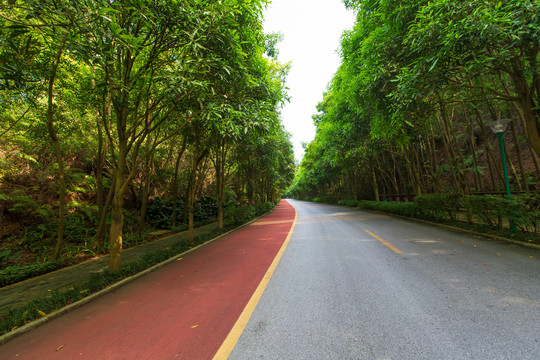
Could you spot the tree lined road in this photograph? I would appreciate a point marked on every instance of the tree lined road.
(350, 285)
(359, 285)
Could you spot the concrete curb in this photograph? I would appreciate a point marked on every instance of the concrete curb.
(57, 313)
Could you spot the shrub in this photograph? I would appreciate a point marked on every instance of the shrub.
(437, 206)
(490, 208)
(205, 208)
(263, 208)
(329, 199)
(159, 212)
(238, 215)
(77, 228)
(493, 208)
(351, 203)
(399, 208)
(16, 273)
(527, 212)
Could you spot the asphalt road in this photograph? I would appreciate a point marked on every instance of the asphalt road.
(403, 290)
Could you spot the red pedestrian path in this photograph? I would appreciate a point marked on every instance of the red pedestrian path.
(183, 310)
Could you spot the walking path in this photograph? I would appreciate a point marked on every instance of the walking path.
(23, 292)
(184, 309)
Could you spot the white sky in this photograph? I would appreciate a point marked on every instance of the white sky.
(312, 31)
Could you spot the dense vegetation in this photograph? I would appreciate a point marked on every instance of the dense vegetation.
(406, 112)
(118, 118)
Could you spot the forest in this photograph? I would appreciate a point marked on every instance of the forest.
(406, 115)
(122, 118)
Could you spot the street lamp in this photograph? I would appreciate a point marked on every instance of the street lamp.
(498, 127)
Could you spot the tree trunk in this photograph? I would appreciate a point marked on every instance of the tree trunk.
(413, 172)
(489, 155)
(220, 180)
(511, 166)
(100, 234)
(58, 152)
(120, 184)
(535, 162)
(375, 184)
(531, 113)
(198, 156)
(519, 156)
(446, 145)
(191, 218)
(434, 161)
(174, 185)
(148, 165)
(460, 167)
(479, 185)
(117, 216)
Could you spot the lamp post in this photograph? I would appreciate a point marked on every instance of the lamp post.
(498, 127)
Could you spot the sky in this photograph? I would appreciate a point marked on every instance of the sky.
(312, 30)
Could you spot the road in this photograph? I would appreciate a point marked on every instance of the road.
(360, 285)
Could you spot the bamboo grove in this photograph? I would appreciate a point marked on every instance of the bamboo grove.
(105, 105)
(406, 112)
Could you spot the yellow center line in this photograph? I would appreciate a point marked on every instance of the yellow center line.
(392, 247)
(238, 328)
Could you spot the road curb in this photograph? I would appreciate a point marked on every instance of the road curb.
(57, 313)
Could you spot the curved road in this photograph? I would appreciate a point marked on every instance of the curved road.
(359, 285)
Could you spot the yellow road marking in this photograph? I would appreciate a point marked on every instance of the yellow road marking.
(392, 247)
(231, 340)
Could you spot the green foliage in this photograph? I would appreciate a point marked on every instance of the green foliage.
(351, 203)
(523, 209)
(38, 236)
(239, 215)
(490, 208)
(437, 206)
(16, 273)
(526, 209)
(78, 228)
(159, 212)
(326, 199)
(146, 69)
(261, 209)
(8, 254)
(418, 81)
(409, 209)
